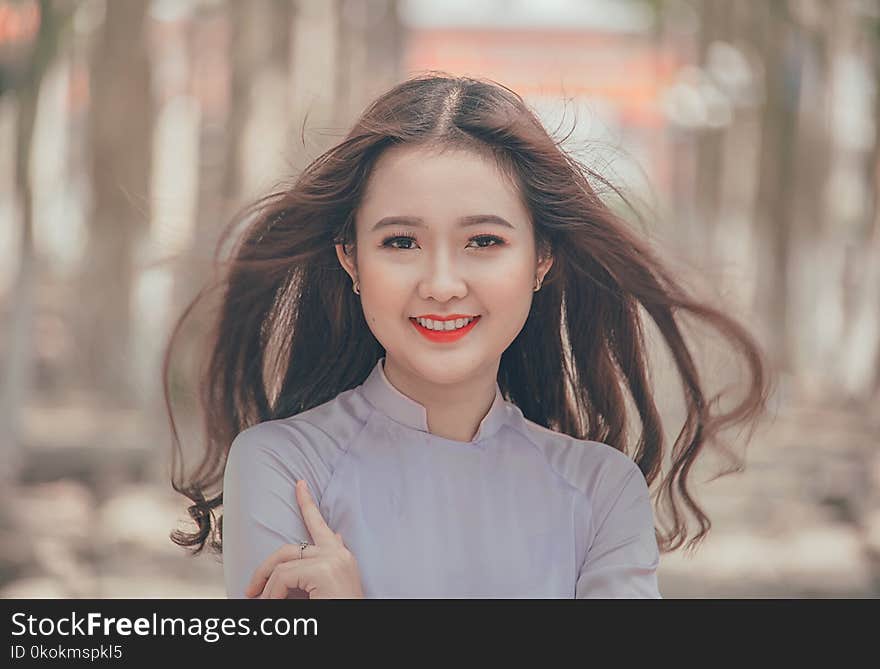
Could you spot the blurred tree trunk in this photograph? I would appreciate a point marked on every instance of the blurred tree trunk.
(120, 128)
(351, 22)
(684, 219)
(734, 242)
(370, 44)
(243, 64)
(815, 147)
(15, 381)
(259, 39)
(816, 260)
(16, 377)
(385, 43)
(873, 178)
(223, 88)
(709, 175)
(260, 95)
(773, 216)
(215, 31)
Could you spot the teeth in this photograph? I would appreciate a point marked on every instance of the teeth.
(444, 325)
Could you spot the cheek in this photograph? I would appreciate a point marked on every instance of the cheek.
(503, 289)
(507, 293)
(383, 296)
(513, 274)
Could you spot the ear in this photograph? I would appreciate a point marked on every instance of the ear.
(544, 265)
(346, 257)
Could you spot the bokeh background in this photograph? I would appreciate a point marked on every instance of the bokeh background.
(131, 131)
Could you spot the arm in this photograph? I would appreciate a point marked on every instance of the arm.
(623, 558)
(260, 511)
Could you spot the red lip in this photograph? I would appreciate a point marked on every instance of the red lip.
(447, 317)
(444, 337)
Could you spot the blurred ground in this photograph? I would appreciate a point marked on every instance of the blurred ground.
(803, 520)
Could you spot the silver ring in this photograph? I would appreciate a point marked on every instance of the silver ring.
(302, 546)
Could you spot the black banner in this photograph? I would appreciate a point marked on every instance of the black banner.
(136, 631)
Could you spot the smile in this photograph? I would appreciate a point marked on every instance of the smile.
(444, 336)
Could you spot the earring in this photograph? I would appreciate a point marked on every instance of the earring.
(537, 285)
(356, 287)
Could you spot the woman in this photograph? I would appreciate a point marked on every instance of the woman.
(416, 383)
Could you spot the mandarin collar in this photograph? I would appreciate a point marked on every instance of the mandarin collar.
(377, 389)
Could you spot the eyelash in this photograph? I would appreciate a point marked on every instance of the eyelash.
(386, 243)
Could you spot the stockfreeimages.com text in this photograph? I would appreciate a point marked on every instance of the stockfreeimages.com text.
(209, 629)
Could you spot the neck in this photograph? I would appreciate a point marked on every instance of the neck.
(454, 410)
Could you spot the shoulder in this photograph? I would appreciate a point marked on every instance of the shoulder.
(609, 481)
(594, 468)
(315, 438)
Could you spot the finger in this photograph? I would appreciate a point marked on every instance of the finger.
(264, 571)
(289, 576)
(320, 532)
(286, 553)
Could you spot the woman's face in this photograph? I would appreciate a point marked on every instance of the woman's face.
(443, 233)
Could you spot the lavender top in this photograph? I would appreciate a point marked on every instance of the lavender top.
(518, 512)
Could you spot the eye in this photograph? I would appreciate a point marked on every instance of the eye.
(497, 241)
(491, 240)
(408, 236)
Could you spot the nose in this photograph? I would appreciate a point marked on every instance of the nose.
(443, 278)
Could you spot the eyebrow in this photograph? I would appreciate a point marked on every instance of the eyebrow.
(465, 221)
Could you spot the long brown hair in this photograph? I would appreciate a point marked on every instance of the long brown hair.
(290, 334)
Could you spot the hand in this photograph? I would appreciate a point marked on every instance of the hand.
(327, 569)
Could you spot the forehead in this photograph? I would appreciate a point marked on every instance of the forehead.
(439, 186)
